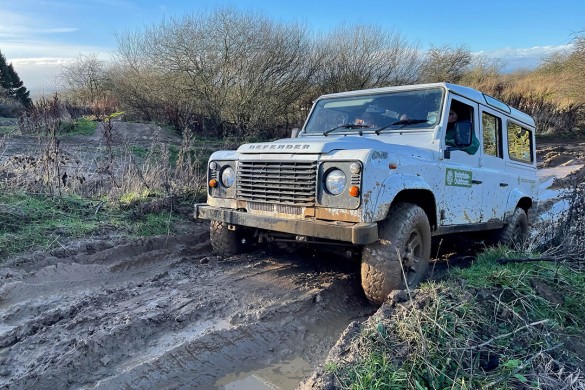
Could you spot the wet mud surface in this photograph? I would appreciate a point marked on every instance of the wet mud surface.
(164, 312)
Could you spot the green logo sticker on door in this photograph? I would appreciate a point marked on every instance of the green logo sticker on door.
(458, 178)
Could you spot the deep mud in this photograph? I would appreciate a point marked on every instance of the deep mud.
(165, 312)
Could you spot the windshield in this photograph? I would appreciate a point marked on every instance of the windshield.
(380, 112)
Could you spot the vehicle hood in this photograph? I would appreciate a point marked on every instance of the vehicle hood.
(313, 145)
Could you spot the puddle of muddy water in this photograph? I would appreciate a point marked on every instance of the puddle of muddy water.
(281, 376)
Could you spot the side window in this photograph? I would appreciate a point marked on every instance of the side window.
(460, 112)
(492, 135)
(519, 143)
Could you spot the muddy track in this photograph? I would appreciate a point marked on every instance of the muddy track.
(166, 313)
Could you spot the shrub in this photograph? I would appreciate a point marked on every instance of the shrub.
(10, 108)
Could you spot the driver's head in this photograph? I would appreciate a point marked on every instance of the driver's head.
(368, 117)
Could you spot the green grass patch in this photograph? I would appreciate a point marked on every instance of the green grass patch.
(139, 151)
(9, 126)
(486, 326)
(154, 224)
(81, 126)
(32, 221)
(10, 129)
(536, 290)
(134, 197)
(84, 126)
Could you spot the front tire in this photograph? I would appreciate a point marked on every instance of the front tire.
(400, 258)
(225, 242)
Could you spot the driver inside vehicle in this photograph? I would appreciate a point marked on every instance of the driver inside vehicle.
(450, 135)
(366, 119)
(373, 117)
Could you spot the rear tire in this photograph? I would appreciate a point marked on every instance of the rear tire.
(515, 233)
(400, 258)
(225, 242)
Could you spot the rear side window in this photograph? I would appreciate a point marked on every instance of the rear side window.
(519, 143)
(492, 135)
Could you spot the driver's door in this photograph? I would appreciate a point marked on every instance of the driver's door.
(462, 189)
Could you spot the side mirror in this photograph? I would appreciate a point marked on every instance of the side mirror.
(294, 133)
(463, 133)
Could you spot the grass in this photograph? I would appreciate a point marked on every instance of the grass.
(11, 129)
(486, 326)
(154, 224)
(9, 126)
(80, 126)
(139, 151)
(29, 221)
(32, 221)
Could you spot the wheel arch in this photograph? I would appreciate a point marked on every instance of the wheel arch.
(518, 198)
(525, 203)
(425, 199)
(399, 188)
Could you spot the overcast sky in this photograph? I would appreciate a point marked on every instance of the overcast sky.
(38, 36)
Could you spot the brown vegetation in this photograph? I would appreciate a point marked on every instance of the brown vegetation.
(237, 74)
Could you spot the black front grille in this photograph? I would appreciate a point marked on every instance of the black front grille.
(277, 182)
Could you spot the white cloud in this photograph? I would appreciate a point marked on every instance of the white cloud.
(56, 30)
(41, 61)
(16, 25)
(523, 58)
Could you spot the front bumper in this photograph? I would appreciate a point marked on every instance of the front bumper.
(357, 233)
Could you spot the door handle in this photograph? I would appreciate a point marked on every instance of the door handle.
(476, 181)
(503, 184)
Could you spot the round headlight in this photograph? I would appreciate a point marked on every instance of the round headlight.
(228, 177)
(335, 181)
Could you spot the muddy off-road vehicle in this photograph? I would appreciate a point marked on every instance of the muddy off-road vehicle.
(381, 170)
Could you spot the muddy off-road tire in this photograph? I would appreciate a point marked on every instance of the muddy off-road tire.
(405, 243)
(225, 242)
(515, 233)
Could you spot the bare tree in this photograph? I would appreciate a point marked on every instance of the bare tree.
(482, 70)
(85, 78)
(237, 70)
(366, 56)
(445, 63)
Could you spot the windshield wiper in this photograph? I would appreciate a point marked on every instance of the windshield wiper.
(403, 123)
(345, 126)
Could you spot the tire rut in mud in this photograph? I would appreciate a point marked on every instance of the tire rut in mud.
(167, 313)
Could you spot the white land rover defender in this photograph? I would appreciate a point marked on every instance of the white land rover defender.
(382, 170)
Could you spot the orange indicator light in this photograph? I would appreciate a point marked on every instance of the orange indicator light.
(354, 191)
(213, 183)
